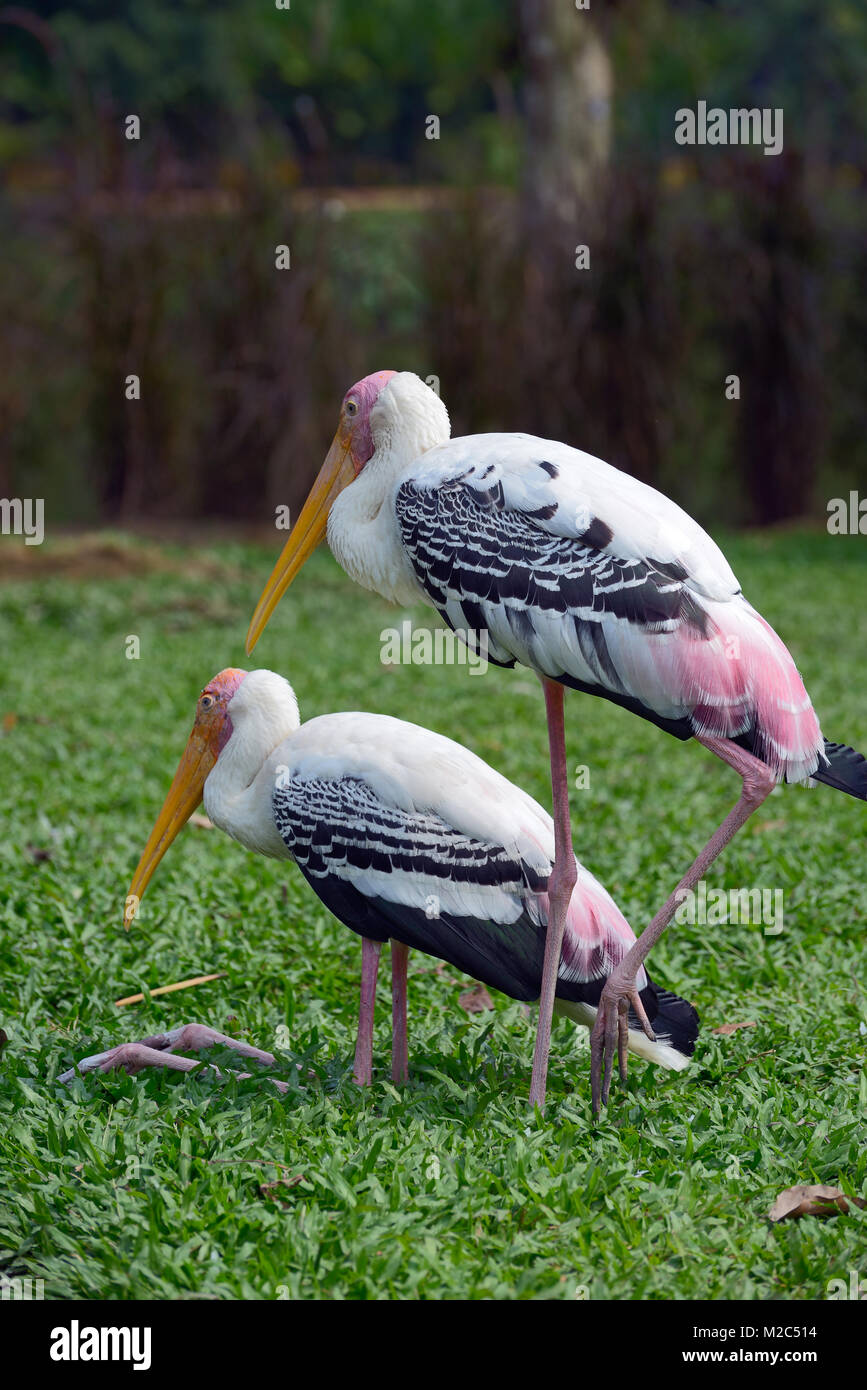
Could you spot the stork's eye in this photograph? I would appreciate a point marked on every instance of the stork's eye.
(207, 701)
(352, 407)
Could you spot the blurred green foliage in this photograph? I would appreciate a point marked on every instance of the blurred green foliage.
(306, 126)
(358, 79)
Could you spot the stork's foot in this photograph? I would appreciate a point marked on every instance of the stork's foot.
(161, 1051)
(611, 1030)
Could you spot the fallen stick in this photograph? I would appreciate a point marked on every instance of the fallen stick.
(170, 989)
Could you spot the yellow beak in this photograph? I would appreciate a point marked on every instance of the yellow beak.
(336, 473)
(184, 796)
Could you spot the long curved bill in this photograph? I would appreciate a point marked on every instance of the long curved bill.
(184, 796)
(336, 473)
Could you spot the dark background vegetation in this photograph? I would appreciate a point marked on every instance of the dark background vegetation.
(452, 257)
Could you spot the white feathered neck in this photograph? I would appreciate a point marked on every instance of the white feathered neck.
(407, 419)
(238, 792)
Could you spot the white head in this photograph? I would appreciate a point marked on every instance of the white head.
(404, 416)
(241, 717)
(386, 420)
(263, 709)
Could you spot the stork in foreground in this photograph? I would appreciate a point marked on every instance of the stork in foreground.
(594, 580)
(404, 836)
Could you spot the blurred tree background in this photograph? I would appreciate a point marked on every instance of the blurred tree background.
(308, 126)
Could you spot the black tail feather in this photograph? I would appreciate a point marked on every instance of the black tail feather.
(674, 1019)
(846, 770)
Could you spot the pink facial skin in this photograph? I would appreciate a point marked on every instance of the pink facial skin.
(364, 393)
(224, 687)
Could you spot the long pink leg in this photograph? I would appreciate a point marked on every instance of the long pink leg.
(399, 1044)
(611, 1027)
(363, 1069)
(560, 885)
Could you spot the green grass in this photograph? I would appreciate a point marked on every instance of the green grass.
(150, 1186)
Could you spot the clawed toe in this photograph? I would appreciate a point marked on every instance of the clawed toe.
(162, 1050)
(610, 1031)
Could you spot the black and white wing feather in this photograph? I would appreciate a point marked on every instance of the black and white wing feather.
(384, 871)
(403, 833)
(587, 575)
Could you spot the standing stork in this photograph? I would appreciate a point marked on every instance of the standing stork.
(591, 578)
(404, 836)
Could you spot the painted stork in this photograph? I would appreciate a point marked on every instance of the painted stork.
(404, 836)
(591, 578)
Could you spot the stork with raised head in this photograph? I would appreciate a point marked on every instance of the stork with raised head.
(591, 578)
(405, 836)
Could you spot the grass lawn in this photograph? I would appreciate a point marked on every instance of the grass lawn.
(163, 1185)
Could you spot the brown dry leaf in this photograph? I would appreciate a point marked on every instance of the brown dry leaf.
(476, 1000)
(727, 1028)
(202, 821)
(761, 826)
(815, 1200)
(9, 722)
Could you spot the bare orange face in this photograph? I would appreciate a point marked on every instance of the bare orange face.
(210, 733)
(351, 448)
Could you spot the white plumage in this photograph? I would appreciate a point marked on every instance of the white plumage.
(386, 818)
(554, 559)
(573, 568)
